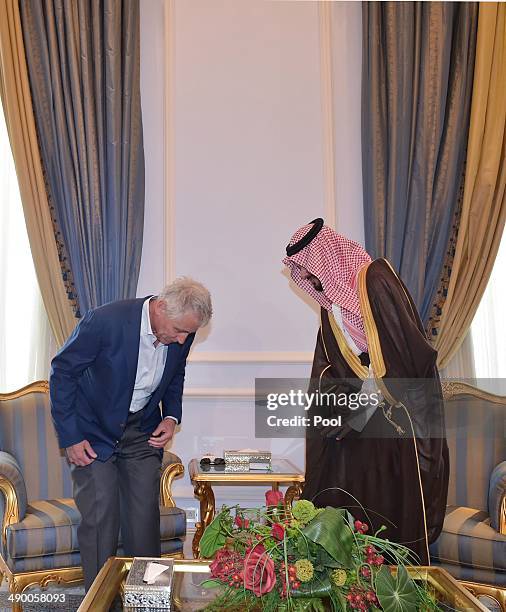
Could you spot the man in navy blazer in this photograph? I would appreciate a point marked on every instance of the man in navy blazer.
(106, 385)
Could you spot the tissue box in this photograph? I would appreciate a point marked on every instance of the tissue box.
(247, 456)
(138, 595)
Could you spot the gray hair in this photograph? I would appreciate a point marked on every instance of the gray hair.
(187, 295)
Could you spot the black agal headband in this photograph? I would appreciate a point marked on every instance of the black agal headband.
(291, 249)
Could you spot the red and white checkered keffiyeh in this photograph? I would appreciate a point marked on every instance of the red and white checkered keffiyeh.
(335, 261)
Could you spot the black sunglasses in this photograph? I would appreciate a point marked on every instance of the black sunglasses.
(216, 461)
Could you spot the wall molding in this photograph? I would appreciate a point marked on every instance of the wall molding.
(327, 103)
(279, 357)
(226, 393)
(168, 143)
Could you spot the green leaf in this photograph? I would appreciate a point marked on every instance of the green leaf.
(338, 600)
(213, 538)
(211, 584)
(396, 594)
(315, 588)
(305, 548)
(330, 531)
(323, 558)
(308, 604)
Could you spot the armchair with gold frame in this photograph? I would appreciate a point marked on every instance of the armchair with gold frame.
(38, 517)
(472, 544)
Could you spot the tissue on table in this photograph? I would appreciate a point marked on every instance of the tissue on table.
(153, 570)
(149, 583)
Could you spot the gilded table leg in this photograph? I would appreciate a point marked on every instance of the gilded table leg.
(293, 492)
(204, 493)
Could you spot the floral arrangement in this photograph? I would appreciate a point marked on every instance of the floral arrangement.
(300, 559)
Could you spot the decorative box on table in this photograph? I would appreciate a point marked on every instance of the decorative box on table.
(247, 456)
(138, 595)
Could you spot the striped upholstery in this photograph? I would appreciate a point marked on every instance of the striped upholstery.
(476, 440)
(10, 470)
(172, 523)
(49, 562)
(496, 492)
(2, 512)
(50, 528)
(27, 433)
(468, 539)
(470, 546)
(46, 537)
(46, 562)
(472, 574)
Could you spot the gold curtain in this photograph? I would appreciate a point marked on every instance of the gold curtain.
(17, 104)
(484, 203)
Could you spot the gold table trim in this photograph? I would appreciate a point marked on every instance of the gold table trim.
(203, 489)
(110, 578)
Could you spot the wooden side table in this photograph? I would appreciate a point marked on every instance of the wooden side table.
(283, 472)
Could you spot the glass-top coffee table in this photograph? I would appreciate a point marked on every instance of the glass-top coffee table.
(282, 472)
(189, 596)
(105, 593)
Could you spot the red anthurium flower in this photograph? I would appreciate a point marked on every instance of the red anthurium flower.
(243, 523)
(273, 498)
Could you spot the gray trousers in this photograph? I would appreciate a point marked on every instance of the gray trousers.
(120, 492)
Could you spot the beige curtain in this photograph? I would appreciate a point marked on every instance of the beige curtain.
(484, 203)
(461, 365)
(16, 99)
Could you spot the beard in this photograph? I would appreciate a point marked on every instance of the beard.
(316, 284)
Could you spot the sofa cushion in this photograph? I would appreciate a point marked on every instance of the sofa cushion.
(172, 523)
(468, 539)
(50, 527)
(47, 562)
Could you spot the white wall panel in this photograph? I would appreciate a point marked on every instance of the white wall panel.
(152, 274)
(248, 165)
(251, 115)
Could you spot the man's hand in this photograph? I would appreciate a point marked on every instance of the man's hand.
(81, 454)
(163, 433)
(343, 432)
(338, 433)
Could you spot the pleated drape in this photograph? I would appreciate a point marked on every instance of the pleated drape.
(484, 204)
(83, 58)
(17, 105)
(418, 61)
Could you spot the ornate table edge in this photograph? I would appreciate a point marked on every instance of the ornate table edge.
(497, 593)
(108, 582)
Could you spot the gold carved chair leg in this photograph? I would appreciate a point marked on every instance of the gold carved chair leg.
(15, 589)
(19, 582)
(204, 493)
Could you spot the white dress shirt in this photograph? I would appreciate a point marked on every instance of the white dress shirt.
(150, 364)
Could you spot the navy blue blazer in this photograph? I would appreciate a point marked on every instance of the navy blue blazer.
(93, 376)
